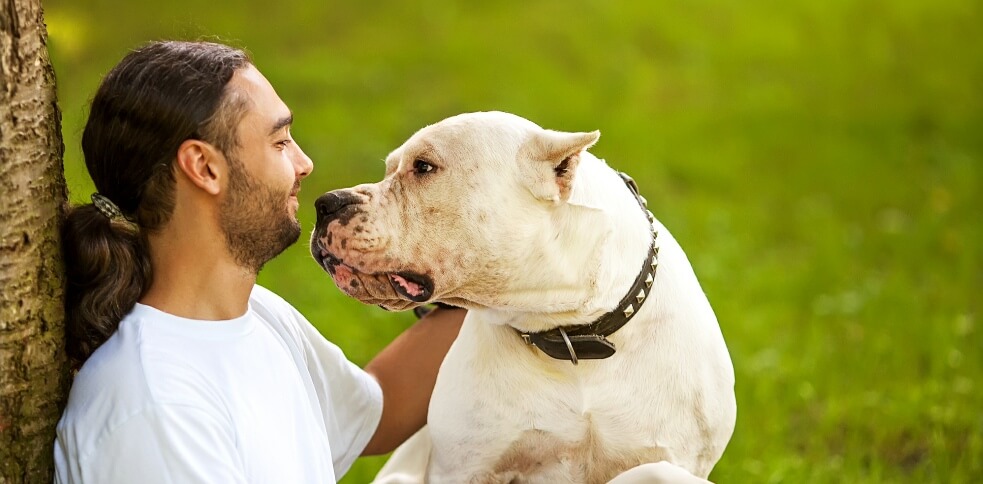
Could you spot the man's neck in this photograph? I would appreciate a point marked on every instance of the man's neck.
(195, 277)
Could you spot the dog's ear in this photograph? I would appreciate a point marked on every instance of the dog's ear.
(550, 159)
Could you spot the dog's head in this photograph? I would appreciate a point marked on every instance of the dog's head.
(468, 213)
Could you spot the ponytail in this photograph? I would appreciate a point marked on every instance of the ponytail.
(107, 270)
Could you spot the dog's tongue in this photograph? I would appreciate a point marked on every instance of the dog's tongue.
(411, 288)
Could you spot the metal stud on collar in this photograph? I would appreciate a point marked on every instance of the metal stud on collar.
(629, 310)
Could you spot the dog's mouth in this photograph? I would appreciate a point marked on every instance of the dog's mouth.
(412, 286)
(408, 285)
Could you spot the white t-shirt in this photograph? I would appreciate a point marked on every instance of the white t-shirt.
(260, 398)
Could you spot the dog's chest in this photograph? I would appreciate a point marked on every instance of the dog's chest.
(522, 445)
(541, 456)
(508, 418)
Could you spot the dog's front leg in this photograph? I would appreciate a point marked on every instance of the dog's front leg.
(657, 473)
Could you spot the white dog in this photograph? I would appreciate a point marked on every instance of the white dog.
(589, 348)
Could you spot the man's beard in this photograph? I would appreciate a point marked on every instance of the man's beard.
(255, 220)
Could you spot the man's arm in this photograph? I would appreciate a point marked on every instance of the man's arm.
(406, 371)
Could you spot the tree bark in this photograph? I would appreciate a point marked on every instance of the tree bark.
(34, 376)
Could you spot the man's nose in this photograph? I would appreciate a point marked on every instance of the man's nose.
(337, 204)
(303, 163)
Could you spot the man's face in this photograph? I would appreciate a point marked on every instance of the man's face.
(259, 210)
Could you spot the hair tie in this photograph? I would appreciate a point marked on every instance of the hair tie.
(106, 207)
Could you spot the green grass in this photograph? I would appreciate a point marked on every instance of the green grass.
(819, 161)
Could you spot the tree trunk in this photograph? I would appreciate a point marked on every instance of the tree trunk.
(34, 374)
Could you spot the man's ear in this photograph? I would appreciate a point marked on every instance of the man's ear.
(202, 164)
(550, 158)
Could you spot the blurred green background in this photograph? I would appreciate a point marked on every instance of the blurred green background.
(820, 161)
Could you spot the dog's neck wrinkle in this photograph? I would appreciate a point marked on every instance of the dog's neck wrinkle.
(587, 280)
(560, 269)
(620, 259)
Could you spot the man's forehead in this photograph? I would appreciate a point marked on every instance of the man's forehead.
(265, 106)
(249, 78)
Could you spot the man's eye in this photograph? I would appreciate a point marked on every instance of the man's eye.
(282, 144)
(420, 167)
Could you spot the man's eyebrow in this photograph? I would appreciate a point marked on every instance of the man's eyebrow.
(281, 123)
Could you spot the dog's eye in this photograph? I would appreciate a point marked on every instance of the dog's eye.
(420, 167)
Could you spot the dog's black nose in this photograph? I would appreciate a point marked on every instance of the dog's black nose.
(331, 205)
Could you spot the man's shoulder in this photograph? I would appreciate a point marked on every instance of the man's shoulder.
(130, 370)
(137, 368)
(263, 297)
(301, 337)
(115, 385)
(114, 372)
(277, 314)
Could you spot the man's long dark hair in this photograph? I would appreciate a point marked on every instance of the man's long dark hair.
(157, 97)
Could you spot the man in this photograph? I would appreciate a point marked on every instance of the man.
(191, 372)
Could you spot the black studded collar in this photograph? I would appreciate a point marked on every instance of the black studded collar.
(589, 342)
